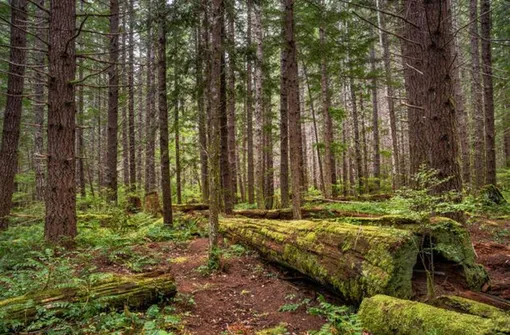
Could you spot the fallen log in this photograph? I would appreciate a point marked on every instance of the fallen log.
(114, 293)
(468, 306)
(451, 241)
(190, 207)
(356, 261)
(384, 315)
(286, 213)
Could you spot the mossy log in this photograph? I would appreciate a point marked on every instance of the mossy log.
(450, 239)
(114, 293)
(355, 261)
(384, 315)
(468, 306)
(286, 213)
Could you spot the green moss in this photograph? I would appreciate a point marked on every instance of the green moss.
(357, 261)
(384, 315)
(463, 305)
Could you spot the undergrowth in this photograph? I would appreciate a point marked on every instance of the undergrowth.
(109, 239)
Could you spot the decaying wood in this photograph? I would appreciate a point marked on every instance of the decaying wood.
(359, 257)
(133, 291)
(384, 315)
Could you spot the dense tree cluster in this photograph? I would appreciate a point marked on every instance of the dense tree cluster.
(270, 101)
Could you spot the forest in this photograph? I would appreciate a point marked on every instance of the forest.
(255, 167)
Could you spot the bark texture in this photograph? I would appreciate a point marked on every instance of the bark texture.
(13, 109)
(61, 191)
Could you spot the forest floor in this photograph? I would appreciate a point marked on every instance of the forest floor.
(245, 296)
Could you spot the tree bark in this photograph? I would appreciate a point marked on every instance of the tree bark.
(39, 110)
(259, 107)
(490, 132)
(214, 127)
(131, 97)
(284, 126)
(329, 163)
(357, 144)
(375, 125)
(203, 87)
(397, 173)
(226, 179)
(116, 293)
(479, 165)
(13, 109)
(163, 116)
(151, 123)
(61, 191)
(438, 91)
(113, 101)
(177, 130)
(249, 108)
(293, 107)
(231, 101)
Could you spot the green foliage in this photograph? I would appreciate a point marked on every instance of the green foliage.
(340, 319)
(292, 307)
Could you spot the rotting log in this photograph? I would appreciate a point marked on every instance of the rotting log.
(384, 315)
(450, 239)
(468, 306)
(134, 291)
(356, 261)
(306, 212)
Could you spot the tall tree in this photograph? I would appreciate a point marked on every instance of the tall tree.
(329, 159)
(216, 14)
(249, 106)
(293, 107)
(39, 106)
(200, 42)
(113, 101)
(151, 123)
(385, 43)
(61, 191)
(13, 108)
(131, 95)
(163, 115)
(490, 133)
(284, 123)
(438, 90)
(259, 107)
(376, 160)
(477, 99)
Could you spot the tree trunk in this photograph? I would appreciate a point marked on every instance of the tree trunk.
(412, 46)
(388, 315)
(249, 108)
(397, 174)
(177, 130)
(357, 144)
(61, 196)
(259, 107)
(214, 127)
(293, 107)
(268, 155)
(438, 91)
(131, 96)
(284, 128)
(163, 116)
(479, 165)
(151, 123)
(231, 101)
(13, 109)
(375, 125)
(226, 180)
(203, 61)
(116, 293)
(333, 254)
(113, 101)
(490, 133)
(329, 165)
(124, 102)
(80, 145)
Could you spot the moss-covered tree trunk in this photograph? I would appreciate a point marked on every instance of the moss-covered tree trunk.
(356, 261)
(133, 291)
(383, 315)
